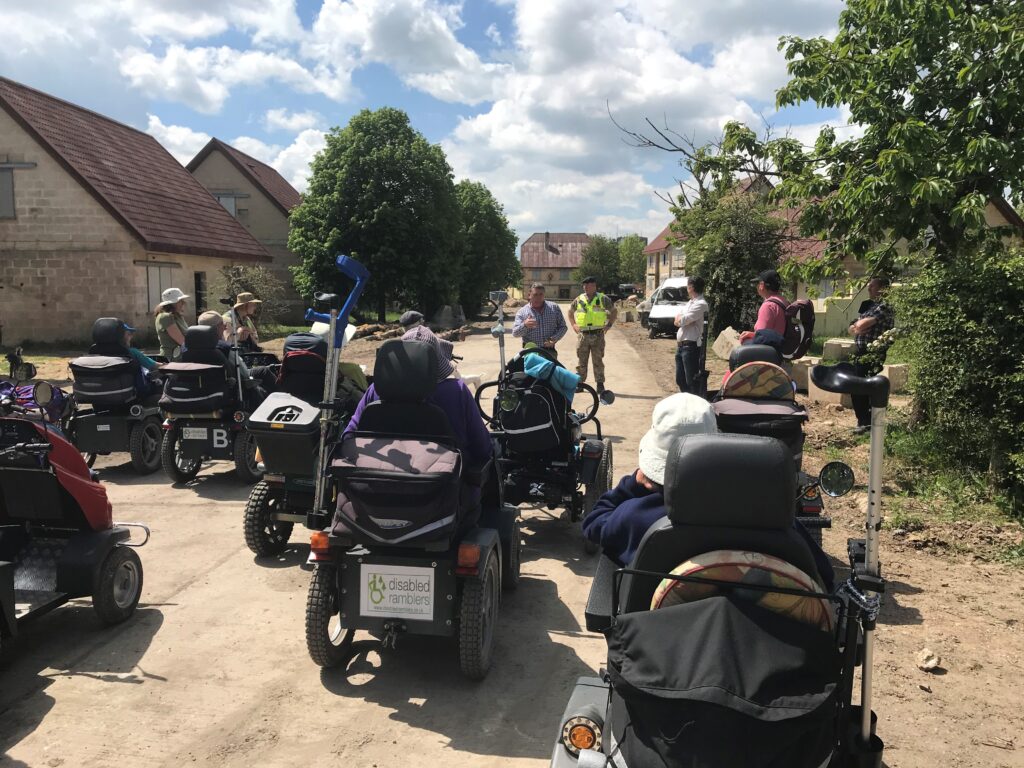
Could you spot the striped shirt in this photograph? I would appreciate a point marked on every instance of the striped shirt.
(550, 324)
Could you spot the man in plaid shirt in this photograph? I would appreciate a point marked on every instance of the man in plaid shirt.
(875, 318)
(539, 321)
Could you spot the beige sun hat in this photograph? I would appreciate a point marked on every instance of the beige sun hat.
(245, 298)
(677, 415)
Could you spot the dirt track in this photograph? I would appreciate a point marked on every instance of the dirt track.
(213, 670)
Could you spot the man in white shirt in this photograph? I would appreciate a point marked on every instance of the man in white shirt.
(690, 322)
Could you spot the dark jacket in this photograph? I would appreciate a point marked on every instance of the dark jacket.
(621, 517)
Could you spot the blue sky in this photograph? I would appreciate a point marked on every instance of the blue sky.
(514, 90)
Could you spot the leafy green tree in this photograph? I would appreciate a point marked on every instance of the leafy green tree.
(489, 246)
(381, 193)
(729, 237)
(632, 262)
(600, 259)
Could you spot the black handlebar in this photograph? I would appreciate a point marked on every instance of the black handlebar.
(588, 416)
(37, 448)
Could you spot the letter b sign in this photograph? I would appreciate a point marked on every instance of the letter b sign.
(220, 438)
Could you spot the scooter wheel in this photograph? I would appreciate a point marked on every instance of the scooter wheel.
(264, 536)
(478, 617)
(327, 641)
(144, 444)
(118, 585)
(245, 457)
(510, 564)
(177, 467)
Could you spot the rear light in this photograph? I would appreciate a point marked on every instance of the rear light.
(581, 733)
(167, 424)
(319, 543)
(468, 562)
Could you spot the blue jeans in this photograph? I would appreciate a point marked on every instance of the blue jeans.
(687, 368)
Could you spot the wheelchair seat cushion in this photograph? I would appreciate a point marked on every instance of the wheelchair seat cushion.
(397, 490)
(104, 379)
(759, 380)
(747, 568)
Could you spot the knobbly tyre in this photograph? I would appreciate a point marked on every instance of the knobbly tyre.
(111, 414)
(57, 538)
(721, 626)
(543, 455)
(205, 411)
(418, 542)
(297, 424)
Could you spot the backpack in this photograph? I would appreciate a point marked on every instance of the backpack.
(799, 327)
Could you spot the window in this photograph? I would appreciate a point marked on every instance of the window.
(228, 201)
(563, 274)
(664, 258)
(159, 277)
(563, 293)
(536, 274)
(200, 292)
(6, 193)
(650, 260)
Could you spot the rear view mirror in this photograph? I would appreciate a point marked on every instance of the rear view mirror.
(498, 297)
(607, 397)
(42, 393)
(836, 479)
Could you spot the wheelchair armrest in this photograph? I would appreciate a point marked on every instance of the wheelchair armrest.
(598, 612)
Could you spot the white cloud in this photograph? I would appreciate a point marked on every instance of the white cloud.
(293, 122)
(493, 34)
(180, 141)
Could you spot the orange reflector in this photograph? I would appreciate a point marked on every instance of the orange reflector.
(318, 542)
(259, 456)
(581, 737)
(469, 555)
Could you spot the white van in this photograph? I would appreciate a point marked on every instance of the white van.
(665, 305)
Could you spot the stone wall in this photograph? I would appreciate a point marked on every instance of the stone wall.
(258, 214)
(64, 260)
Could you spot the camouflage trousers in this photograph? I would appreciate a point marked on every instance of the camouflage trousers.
(590, 344)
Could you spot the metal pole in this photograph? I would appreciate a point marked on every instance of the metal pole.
(327, 414)
(874, 522)
(238, 355)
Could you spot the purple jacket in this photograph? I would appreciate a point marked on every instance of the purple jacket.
(454, 398)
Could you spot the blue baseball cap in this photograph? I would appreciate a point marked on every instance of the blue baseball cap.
(127, 327)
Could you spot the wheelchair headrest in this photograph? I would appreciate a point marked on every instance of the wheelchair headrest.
(405, 371)
(108, 330)
(201, 337)
(751, 353)
(731, 481)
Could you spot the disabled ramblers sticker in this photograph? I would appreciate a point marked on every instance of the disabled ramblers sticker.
(397, 591)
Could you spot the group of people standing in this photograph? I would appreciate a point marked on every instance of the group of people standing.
(171, 324)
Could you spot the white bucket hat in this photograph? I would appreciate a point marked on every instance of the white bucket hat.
(172, 296)
(677, 415)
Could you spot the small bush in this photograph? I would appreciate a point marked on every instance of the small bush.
(260, 281)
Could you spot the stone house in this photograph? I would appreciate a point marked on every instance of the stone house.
(97, 218)
(664, 260)
(261, 199)
(551, 258)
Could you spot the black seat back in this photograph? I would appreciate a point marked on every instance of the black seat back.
(108, 375)
(108, 338)
(733, 492)
(201, 346)
(754, 353)
(404, 375)
(303, 367)
(201, 382)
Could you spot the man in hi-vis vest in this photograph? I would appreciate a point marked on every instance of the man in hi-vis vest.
(590, 315)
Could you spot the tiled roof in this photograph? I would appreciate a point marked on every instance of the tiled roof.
(132, 176)
(553, 250)
(272, 183)
(660, 243)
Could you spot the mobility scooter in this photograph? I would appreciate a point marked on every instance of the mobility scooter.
(299, 423)
(543, 455)
(58, 541)
(420, 543)
(204, 404)
(113, 412)
(723, 624)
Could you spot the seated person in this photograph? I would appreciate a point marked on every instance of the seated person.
(255, 383)
(148, 383)
(451, 395)
(622, 516)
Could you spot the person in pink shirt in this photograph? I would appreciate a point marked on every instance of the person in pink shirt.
(772, 314)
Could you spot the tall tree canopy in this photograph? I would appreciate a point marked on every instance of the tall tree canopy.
(383, 194)
(489, 246)
(601, 260)
(632, 262)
